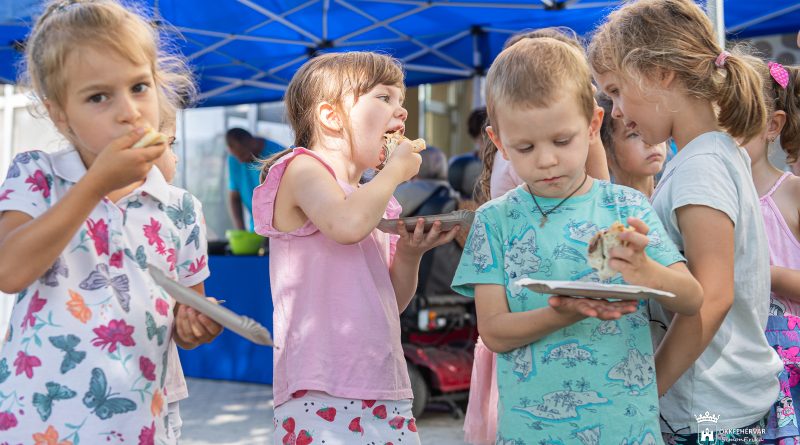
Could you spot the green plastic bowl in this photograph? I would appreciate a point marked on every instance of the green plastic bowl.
(243, 242)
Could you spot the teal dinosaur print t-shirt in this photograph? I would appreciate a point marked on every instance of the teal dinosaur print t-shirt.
(590, 383)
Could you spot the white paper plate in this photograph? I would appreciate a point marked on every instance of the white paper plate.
(586, 289)
(244, 326)
(449, 220)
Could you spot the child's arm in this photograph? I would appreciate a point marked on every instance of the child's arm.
(192, 328)
(404, 270)
(503, 330)
(785, 282)
(637, 268)
(708, 239)
(347, 219)
(41, 240)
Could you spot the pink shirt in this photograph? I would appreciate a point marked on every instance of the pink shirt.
(784, 249)
(336, 321)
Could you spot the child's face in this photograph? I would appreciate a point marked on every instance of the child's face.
(374, 114)
(645, 112)
(633, 156)
(546, 146)
(106, 97)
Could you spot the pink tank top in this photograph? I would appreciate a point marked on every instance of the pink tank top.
(336, 321)
(784, 249)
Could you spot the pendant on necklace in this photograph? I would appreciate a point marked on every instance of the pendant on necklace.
(542, 221)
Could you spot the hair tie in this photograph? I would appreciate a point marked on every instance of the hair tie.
(721, 58)
(779, 74)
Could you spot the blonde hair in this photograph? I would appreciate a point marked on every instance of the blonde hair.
(67, 25)
(488, 150)
(533, 72)
(646, 37)
(787, 100)
(332, 78)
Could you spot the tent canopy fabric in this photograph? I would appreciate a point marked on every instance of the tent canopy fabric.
(247, 50)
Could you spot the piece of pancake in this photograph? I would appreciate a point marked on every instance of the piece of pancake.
(601, 244)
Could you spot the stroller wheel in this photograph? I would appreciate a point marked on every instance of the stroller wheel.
(420, 389)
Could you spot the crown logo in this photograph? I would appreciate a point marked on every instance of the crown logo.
(707, 418)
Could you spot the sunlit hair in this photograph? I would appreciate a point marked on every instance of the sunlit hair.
(534, 73)
(561, 33)
(68, 25)
(787, 100)
(332, 78)
(646, 38)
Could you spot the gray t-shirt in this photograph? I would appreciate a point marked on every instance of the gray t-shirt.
(736, 376)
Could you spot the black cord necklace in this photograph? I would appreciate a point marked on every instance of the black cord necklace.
(543, 220)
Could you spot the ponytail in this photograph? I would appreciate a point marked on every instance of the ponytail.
(742, 111)
(266, 164)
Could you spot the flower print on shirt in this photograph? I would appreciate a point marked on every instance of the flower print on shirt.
(39, 182)
(25, 364)
(78, 308)
(49, 437)
(117, 331)
(98, 232)
(36, 304)
(91, 309)
(148, 368)
(162, 307)
(197, 266)
(147, 435)
(116, 259)
(153, 238)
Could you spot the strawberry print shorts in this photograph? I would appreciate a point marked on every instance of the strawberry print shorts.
(314, 417)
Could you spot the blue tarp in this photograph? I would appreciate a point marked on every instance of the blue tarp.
(247, 50)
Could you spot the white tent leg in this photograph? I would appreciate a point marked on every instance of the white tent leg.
(716, 13)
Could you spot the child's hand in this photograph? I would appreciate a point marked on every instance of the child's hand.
(118, 165)
(404, 161)
(419, 242)
(589, 307)
(193, 328)
(631, 260)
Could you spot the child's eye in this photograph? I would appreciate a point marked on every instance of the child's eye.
(633, 135)
(97, 98)
(140, 88)
(172, 141)
(525, 149)
(563, 142)
(385, 98)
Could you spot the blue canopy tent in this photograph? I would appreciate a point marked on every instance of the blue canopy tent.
(247, 50)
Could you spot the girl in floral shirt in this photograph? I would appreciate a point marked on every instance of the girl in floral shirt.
(85, 358)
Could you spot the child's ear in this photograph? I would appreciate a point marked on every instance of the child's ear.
(329, 117)
(58, 116)
(665, 78)
(775, 124)
(596, 122)
(495, 138)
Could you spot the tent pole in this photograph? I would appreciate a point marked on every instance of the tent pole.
(716, 13)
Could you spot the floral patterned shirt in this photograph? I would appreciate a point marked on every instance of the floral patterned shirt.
(590, 382)
(85, 357)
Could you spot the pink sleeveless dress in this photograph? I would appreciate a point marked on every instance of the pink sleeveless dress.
(784, 249)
